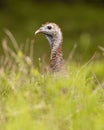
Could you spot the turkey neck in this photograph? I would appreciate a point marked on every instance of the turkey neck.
(56, 59)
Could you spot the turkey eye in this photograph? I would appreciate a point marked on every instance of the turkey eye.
(49, 27)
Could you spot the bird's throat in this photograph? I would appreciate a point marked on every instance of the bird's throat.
(50, 39)
(56, 58)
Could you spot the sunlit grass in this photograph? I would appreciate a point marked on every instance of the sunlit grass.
(34, 100)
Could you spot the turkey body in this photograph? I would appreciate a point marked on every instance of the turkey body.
(54, 35)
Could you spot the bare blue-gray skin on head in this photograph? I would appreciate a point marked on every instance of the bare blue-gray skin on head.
(54, 35)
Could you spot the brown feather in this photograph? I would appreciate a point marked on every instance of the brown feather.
(56, 60)
(54, 35)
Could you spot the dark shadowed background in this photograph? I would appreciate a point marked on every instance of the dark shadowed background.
(81, 21)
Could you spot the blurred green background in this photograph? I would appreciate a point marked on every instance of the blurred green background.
(81, 21)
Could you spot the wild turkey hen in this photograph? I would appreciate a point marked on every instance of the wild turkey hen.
(54, 35)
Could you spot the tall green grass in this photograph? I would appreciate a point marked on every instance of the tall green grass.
(34, 100)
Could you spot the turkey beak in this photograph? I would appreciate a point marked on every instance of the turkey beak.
(38, 31)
